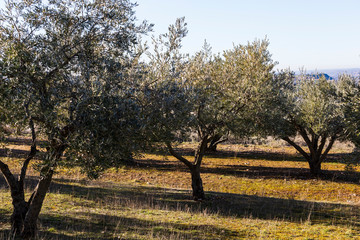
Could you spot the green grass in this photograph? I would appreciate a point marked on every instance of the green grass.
(252, 193)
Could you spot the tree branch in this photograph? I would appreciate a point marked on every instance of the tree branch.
(33, 149)
(331, 143)
(178, 156)
(221, 141)
(307, 140)
(315, 141)
(321, 146)
(200, 151)
(303, 133)
(297, 147)
(10, 179)
(201, 124)
(58, 68)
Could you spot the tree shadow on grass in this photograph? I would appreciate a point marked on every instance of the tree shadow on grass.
(253, 172)
(19, 154)
(89, 225)
(104, 226)
(4, 216)
(108, 197)
(265, 155)
(224, 204)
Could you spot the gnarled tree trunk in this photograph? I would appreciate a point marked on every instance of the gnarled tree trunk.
(212, 147)
(317, 151)
(26, 213)
(16, 185)
(20, 208)
(315, 167)
(214, 142)
(196, 184)
(35, 205)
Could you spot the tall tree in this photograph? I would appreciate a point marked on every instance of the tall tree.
(67, 67)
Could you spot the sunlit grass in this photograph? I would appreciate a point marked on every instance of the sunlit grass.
(257, 195)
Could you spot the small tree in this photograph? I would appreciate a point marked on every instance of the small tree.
(65, 67)
(167, 100)
(213, 93)
(313, 108)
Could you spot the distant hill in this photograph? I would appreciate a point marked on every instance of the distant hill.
(319, 75)
(333, 74)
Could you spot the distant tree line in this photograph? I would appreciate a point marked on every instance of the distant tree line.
(72, 73)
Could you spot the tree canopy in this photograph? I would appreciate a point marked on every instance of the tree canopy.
(67, 73)
(206, 94)
(315, 109)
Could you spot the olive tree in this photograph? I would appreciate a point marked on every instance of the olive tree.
(206, 94)
(313, 108)
(349, 90)
(66, 69)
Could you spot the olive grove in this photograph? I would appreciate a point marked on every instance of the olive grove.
(72, 74)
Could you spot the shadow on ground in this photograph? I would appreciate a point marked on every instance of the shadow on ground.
(262, 155)
(116, 197)
(241, 170)
(253, 172)
(109, 196)
(99, 226)
(224, 204)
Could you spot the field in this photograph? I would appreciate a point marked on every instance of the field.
(253, 192)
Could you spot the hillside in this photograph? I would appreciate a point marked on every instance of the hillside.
(334, 73)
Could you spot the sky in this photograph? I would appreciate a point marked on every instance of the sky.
(303, 34)
(306, 34)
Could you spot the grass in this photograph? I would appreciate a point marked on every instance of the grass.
(253, 192)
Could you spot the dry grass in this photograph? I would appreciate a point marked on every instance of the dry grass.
(254, 192)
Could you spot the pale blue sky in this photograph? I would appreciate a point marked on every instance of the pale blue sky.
(314, 34)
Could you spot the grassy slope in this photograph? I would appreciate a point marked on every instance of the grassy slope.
(253, 193)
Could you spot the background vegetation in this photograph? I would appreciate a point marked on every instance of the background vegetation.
(79, 102)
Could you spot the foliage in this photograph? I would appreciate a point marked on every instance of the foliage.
(215, 94)
(315, 109)
(167, 103)
(69, 69)
(206, 94)
(62, 59)
(350, 92)
(233, 87)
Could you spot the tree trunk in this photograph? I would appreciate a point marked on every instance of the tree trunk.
(196, 184)
(20, 206)
(317, 150)
(18, 216)
(213, 143)
(315, 168)
(35, 205)
(212, 148)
